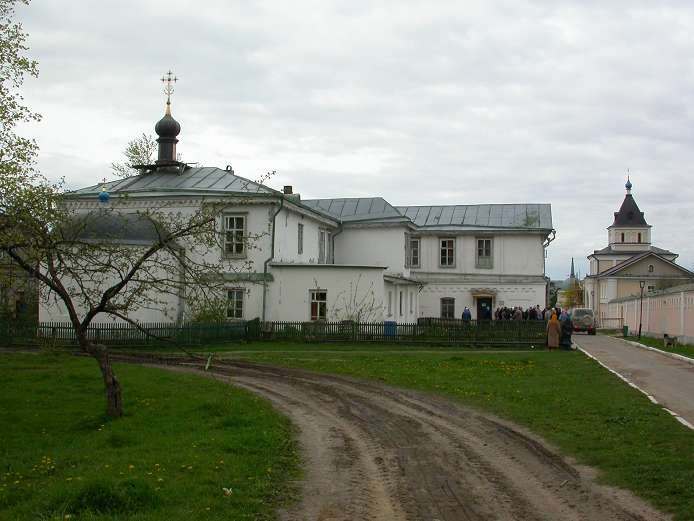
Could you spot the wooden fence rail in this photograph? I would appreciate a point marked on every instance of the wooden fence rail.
(424, 331)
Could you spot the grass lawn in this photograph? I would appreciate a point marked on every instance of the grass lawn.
(183, 439)
(680, 349)
(564, 396)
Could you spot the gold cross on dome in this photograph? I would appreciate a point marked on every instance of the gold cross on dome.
(168, 80)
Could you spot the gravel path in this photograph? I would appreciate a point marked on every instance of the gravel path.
(669, 381)
(372, 452)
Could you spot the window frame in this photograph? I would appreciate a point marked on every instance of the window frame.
(321, 305)
(238, 303)
(410, 252)
(244, 235)
(300, 239)
(479, 264)
(451, 264)
(445, 302)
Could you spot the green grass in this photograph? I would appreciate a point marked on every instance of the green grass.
(565, 397)
(680, 349)
(182, 440)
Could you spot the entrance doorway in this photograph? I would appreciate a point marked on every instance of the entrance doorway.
(484, 308)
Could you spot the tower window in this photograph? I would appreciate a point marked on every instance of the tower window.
(622, 237)
(639, 239)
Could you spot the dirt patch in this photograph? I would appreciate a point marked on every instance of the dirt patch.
(372, 452)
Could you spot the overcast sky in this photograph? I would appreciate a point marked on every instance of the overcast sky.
(446, 102)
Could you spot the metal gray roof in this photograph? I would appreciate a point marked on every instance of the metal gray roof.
(199, 179)
(372, 209)
(132, 228)
(533, 216)
(608, 250)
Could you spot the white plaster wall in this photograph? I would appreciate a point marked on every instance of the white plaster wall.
(287, 233)
(289, 298)
(510, 295)
(512, 254)
(375, 246)
(410, 302)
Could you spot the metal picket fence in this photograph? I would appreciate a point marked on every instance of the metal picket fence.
(431, 331)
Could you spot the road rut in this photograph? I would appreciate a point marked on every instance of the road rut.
(373, 452)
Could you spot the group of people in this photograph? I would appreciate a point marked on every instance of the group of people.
(559, 324)
(518, 313)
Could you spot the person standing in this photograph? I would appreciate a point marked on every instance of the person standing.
(467, 314)
(553, 333)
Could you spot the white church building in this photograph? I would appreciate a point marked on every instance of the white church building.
(341, 258)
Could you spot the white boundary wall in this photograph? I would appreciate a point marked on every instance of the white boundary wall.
(669, 311)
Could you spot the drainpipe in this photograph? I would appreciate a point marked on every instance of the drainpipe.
(332, 241)
(272, 255)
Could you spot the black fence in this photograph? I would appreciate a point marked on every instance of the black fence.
(431, 331)
(425, 331)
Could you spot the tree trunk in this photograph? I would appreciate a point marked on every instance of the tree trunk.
(114, 399)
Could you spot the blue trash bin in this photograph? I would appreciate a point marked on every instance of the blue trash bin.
(390, 328)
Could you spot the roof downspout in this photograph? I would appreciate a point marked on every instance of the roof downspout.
(340, 229)
(271, 257)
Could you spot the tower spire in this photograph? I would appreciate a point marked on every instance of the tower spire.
(573, 272)
(168, 80)
(628, 185)
(167, 128)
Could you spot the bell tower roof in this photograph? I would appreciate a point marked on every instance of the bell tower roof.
(629, 214)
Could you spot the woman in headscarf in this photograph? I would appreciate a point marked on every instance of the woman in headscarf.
(553, 332)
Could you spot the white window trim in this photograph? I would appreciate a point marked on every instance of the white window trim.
(242, 292)
(453, 252)
(483, 265)
(225, 217)
(411, 264)
(312, 298)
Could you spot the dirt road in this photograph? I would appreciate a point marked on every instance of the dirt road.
(372, 452)
(668, 380)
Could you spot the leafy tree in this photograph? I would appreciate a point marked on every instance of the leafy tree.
(139, 151)
(115, 260)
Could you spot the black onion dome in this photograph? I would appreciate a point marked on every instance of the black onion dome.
(167, 126)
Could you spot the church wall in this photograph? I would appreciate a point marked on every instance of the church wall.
(375, 246)
(513, 254)
(350, 291)
(510, 295)
(287, 237)
(397, 294)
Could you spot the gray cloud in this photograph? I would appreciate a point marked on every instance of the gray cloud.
(470, 102)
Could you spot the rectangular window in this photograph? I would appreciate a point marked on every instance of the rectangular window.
(235, 303)
(300, 239)
(484, 253)
(639, 238)
(235, 235)
(411, 302)
(390, 303)
(321, 247)
(401, 305)
(447, 307)
(413, 257)
(447, 250)
(319, 304)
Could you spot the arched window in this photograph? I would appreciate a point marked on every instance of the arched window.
(650, 268)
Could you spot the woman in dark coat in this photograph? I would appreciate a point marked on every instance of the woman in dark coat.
(553, 332)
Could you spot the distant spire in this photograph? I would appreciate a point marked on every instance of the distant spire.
(628, 185)
(573, 272)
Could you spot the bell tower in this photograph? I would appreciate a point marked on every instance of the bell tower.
(629, 231)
